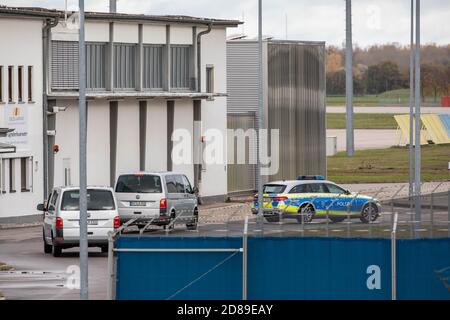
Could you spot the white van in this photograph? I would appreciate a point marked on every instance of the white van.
(61, 229)
(157, 198)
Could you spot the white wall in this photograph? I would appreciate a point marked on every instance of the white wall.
(126, 32)
(214, 113)
(128, 137)
(184, 119)
(156, 150)
(180, 35)
(21, 41)
(153, 34)
(98, 143)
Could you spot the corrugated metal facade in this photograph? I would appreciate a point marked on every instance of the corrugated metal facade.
(181, 58)
(96, 66)
(124, 66)
(296, 106)
(294, 102)
(153, 67)
(241, 177)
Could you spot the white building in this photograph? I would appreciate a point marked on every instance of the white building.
(146, 77)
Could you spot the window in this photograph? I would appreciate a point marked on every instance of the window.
(187, 184)
(96, 66)
(97, 200)
(30, 84)
(12, 176)
(125, 66)
(10, 83)
(53, 200)
(2, 176)
(25, 171)
(1, 83)
(317, 188)
(274, 188)
(179, 184)
(301, 188)
(332, 188)
(153, 67)
(64, 66)
(171, 184)
(181, 67)
(20, 83)
(139, 184)
(210, 79)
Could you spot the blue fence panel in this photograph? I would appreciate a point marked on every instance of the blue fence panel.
(445, 118)
(318, 268)
(423, 269)
(161, 276)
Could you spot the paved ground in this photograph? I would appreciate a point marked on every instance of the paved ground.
(388, 109)
(366, 138)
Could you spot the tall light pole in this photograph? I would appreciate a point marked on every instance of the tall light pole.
(349, 78)
(260, 113)
(418, 201)
(411, 110)
(83, 176)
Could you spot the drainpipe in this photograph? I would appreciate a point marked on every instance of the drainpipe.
(45, 48)
(199, 57)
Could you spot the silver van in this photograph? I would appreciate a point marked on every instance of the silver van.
(61, 227)
(161, 199)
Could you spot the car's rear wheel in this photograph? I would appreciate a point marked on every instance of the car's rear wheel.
(194, 223)
(369, 213)
(337, 219)
(47, 247)
(306, 214)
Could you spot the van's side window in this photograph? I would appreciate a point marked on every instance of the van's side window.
(53, 201)
(187, 185)
(171, 185)
(180, 184)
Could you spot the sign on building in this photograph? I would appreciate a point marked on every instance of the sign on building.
(16, 117)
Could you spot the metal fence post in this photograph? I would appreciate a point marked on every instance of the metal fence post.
(244, 260)
(394, 258)
(111, 275)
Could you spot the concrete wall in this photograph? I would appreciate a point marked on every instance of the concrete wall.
(21, 41)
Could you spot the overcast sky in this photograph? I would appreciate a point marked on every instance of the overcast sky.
(374, 21)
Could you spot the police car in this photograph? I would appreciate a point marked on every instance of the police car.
(311, 197)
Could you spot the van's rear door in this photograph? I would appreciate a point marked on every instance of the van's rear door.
(139, 195)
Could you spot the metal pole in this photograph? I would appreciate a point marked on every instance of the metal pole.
(83, 177)
(411, 110)
(394, 258)
(349, 78)
(260, 114)
(418, 207)
(244, 260)
(113, 6)
(111, 284)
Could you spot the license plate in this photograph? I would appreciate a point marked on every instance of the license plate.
(92, 222)
(138, 204)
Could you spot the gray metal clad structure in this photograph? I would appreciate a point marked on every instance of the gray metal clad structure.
(294, 92)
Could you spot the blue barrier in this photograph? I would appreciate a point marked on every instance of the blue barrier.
(161, 276)
(423, 269)
(282, 268)
(445, 118)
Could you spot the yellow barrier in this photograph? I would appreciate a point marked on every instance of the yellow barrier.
(403, 128)
(435, 128)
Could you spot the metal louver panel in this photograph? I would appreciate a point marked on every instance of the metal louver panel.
(125, 66)
(180, 60)
(64, 65)
(242, 76)
(153, 67)
(96, 66)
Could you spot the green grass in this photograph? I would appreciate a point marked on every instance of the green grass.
(362, 121)
(389, 165)
(395, 97)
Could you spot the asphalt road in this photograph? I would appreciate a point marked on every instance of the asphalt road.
(40, 276)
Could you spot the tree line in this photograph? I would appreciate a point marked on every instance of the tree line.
(382, 68)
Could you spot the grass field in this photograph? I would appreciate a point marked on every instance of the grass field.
(388, 165)
(362, 121)
(400, 96)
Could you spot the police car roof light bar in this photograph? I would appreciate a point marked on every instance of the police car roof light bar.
(310, 178)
